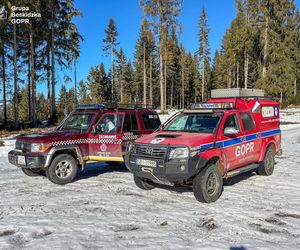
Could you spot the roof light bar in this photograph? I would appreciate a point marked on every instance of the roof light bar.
(215, 105)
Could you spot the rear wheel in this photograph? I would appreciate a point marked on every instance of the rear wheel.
(33, 171)
(266, 167)
(208, 184)
(62, 170)
(143, 183)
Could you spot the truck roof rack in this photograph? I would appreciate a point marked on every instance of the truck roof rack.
(114, 106)
(237, 92)
(90, 106)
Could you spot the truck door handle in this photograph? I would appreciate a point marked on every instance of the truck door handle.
(243, 138)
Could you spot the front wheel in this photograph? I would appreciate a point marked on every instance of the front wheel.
(208, 184)
(62, 170)
(266, 167)
(143, 183)
(33, 171)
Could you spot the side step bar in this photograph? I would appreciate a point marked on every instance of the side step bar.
(241, 170)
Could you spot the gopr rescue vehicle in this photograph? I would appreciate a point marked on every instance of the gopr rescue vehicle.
(93, 132)
(237, 130)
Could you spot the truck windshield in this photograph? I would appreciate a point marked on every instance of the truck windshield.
(194, 123)
(78, 121)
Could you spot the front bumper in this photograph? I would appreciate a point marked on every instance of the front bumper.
(166, 171)
(31, 161)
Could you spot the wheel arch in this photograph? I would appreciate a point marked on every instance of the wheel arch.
(217, 161)
(72, 150)
(203, 163)
(265, 148)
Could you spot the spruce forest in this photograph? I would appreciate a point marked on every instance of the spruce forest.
(260, 49)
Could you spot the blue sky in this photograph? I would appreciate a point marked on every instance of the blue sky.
(128, 16)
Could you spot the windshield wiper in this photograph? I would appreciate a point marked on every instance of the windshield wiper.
(189, 131)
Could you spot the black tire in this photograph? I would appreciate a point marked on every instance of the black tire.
(143, 183)
(208, 184)
(266, 167)
(62, 170)
(33, 171)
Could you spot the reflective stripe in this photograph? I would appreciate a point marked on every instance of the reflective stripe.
(270, 132)
(238, 140)
(98, 158)
(88, 141)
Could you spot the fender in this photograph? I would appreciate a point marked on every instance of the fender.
(215, 153)
(264, 145)
(61, 148)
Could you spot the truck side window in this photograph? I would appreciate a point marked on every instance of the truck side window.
(134, 125)
(110, 123)
(126, 125)
(130, 123)
(151, 121)
(232, 121)
(247, 121)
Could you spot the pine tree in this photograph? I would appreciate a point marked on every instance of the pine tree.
(42, 108)
(104, 89)
(164, 14)
(110, 48)
(5, 35)
(83, 93)
(183, 76)
(172, 67)
(144, 63)
(23, 105)
(278, 72)
(128, 82)
(97, 83)
(121, 64)
(203, 50)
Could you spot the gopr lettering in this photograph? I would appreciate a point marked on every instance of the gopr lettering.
(244, 149)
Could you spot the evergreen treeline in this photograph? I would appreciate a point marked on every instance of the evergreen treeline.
(30, 54)
(261, 49)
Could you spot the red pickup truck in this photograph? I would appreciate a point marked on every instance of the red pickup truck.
(90, 133)
(200, 146)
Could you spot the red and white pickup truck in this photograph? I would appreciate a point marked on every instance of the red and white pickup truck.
(237, 130)
(92, 132)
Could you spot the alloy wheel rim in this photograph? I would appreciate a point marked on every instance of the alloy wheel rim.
(63, 169)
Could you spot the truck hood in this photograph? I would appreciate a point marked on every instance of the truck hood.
(176, 138)
(46, 137)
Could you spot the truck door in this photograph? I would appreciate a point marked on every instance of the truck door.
(249, 151)
(131, 129)
(105, 142)
(230, 142)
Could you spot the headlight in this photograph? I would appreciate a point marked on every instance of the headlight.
(179, 153)
(130, 147)
(39, 147)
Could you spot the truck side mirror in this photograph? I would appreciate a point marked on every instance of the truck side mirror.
(230, 131)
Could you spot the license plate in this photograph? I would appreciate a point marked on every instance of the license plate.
(21, 160)
(147, 163)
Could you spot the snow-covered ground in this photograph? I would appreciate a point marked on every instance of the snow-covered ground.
(290, 115)
(104, 209)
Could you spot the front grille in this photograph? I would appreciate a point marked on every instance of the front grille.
(24, 146)
(151, 151)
